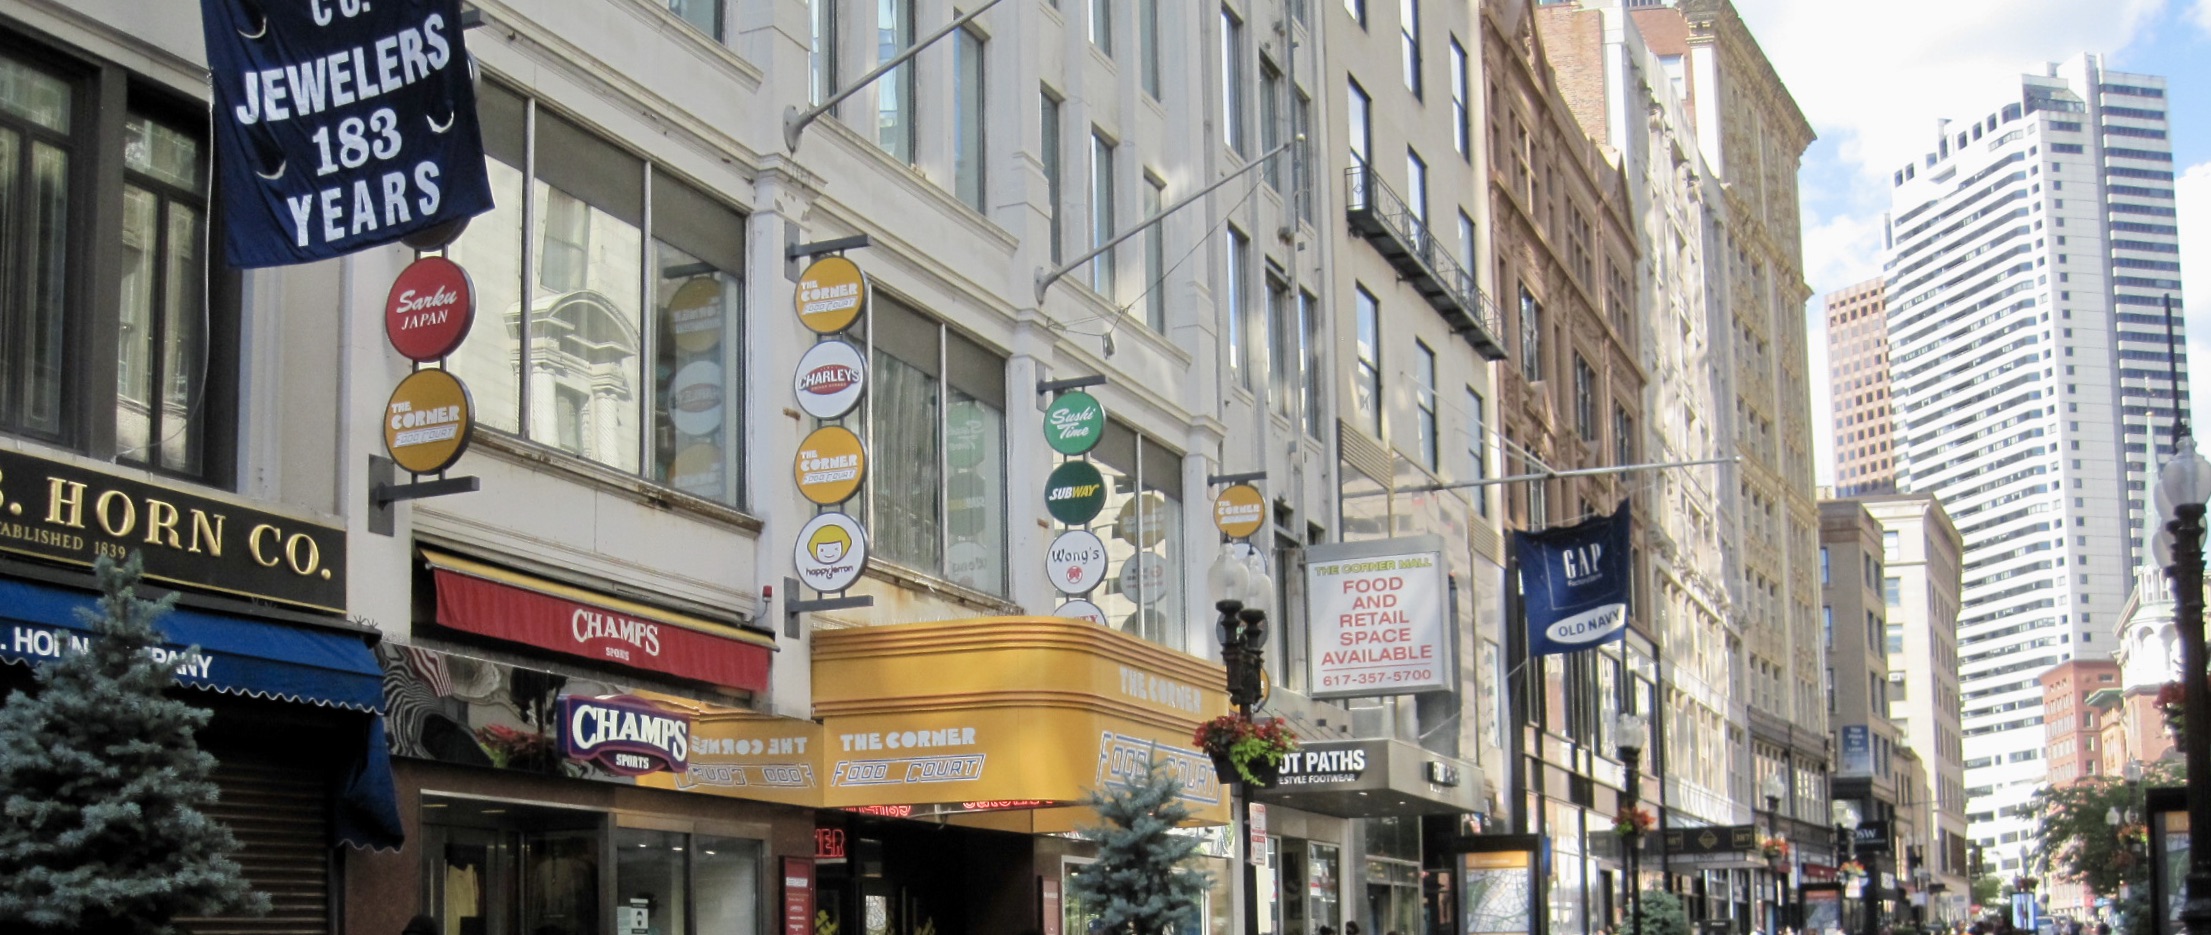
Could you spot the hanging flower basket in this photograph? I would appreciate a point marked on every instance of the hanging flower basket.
(1775, 849)
(1243, 748)
(1630, 821)
(1851, 872)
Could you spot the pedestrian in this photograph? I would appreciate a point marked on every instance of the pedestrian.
(420, 925)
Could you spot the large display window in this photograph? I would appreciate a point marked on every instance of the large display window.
(503, 868)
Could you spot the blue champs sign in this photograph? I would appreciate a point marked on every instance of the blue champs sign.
(340, 124)
(1574, 581)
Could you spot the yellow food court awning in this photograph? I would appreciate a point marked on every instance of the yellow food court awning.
(1006, 722)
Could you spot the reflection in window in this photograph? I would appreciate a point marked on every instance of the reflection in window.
(35, 182)
(894, 92)
(161, 365)
(705, 14)
(1144, 541)
(583, 341)
(649, 878)
(936, 426)
(1366, 390)
(967, 118)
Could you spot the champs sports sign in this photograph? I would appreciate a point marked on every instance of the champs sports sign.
(624, 734)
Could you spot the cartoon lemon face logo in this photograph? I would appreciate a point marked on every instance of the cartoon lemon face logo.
(829, 544)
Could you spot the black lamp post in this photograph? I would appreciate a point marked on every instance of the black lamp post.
(2183, 485)
(1242, 632)
(1774, 787)
(1631, 732)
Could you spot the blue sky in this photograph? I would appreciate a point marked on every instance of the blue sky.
(1874, 76)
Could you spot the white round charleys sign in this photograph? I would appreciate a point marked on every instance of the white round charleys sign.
(1081, 610)
(831, 552)
(1144, 578)
(1076, 561)
(830, 376)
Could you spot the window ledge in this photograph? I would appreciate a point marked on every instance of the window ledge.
(907, 577)
(552, 460)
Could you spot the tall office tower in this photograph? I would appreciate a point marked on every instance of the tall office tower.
(1858, 385)
(2027, 256)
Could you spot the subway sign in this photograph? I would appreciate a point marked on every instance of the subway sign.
(624, 734)
(60, 512)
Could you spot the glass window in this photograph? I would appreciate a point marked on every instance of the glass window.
(1358, 11)
(1144, 502)
(1424, 403)
(1416, 188)
(894, 92)
(1477, 447)
(822, 48)
(651, 890)
(584, 335)
(161, 367)
(1623, 436)
(1366, 387)
(1408, 26)
(1462, 126)
(705, 14)
(1147, 26)
(1303, 115)
(1270, 118)
(936, 421)
(1155, 255)
(1311, 339)
(1049, 154)
(1531, 337)
(1361, 124)
(1232, 81)
(1283, 339)
(1585, 400)
(968, 154)
(36, 159)
(1238, 288)
(1101, 26)
(1101, 213)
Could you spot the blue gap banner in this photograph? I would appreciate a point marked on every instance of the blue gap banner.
(1574, 583)
(340, 124)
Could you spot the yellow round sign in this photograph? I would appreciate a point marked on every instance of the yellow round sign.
(830, 465)
(695, 312)
(1239, 511)
(428, 421)
(831, 295)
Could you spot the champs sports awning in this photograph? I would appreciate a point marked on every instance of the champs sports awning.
(488, 600)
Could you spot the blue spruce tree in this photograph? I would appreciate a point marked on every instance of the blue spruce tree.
(103, 788)
(1141, 883)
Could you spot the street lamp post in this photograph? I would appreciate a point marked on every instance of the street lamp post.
(1774, 787)
(1242, 631)
(2183, 485)
(1632, 732)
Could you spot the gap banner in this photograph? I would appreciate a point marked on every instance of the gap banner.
(1574, 583)
(340, 125)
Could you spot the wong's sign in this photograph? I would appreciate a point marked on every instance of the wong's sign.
(624, 734)
(59, 512)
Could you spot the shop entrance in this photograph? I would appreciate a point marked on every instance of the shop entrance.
(502, 869)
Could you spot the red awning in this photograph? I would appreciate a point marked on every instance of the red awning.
(508, 605)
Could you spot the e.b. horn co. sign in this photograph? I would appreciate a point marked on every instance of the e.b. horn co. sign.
(340, 125)
(624, 734)
(429, 310)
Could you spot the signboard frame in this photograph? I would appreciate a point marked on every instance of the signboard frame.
(1343, 644)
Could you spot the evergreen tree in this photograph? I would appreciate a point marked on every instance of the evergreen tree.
(1661, 915)
(1140, 884)
(103, 788)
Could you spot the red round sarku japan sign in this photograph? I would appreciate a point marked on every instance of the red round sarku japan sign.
(428, 421)
(429, 309)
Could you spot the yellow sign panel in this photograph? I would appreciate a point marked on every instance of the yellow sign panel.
(830, 465)
(428, 421)
(1239, 511)
(831, 295)
(746, 755)
(1008, 708)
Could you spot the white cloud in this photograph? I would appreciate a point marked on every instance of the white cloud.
(2202, 15)
(2193, 192)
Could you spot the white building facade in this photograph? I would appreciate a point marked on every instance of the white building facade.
(2027, 257)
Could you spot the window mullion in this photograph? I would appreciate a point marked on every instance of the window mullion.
(648, 332)
(944, 465)
(523, 366)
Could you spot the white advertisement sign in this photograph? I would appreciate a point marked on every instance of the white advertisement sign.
(1378, 616)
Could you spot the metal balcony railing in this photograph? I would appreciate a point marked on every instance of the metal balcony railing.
(1404, 239)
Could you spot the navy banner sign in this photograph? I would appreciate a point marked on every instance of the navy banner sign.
(340, 124)
(1575, 584)
(624, 734)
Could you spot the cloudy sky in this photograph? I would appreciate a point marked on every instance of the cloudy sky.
(1874, 76)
